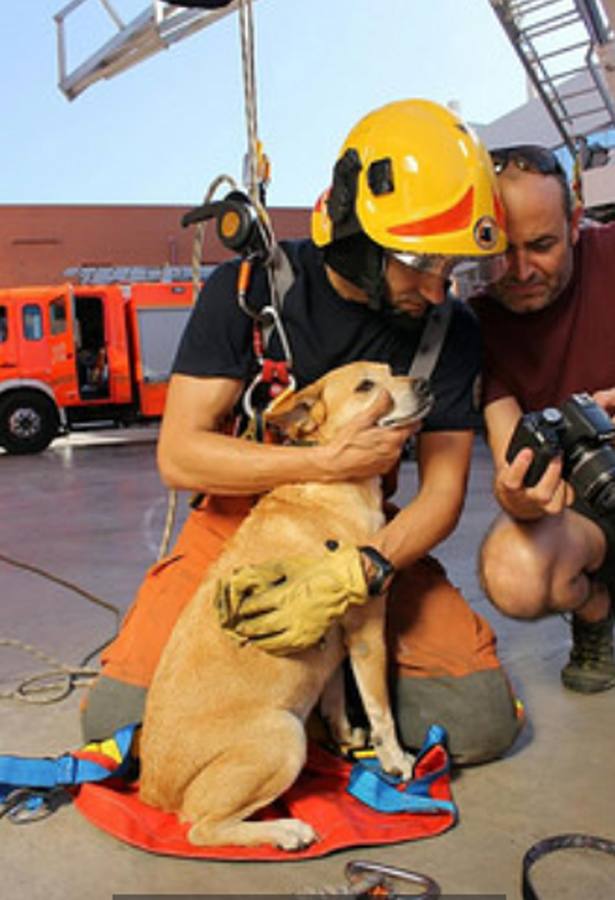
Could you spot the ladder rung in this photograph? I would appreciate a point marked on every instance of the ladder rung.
(547, 26)
(580, 93)
(553, 53)
(566, 74)
(527, 7)
(586, 112)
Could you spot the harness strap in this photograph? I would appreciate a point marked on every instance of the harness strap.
(387, 794)
(94, 762)
(432, 341)
(281, 279)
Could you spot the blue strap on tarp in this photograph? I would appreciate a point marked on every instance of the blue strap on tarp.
(46, 774)
(385, 793)
(367, 782)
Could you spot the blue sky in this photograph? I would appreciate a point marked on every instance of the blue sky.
(160, 132)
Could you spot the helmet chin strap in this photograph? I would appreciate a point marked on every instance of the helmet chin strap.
(360, 261)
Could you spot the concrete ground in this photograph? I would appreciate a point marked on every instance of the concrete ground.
(91, 511)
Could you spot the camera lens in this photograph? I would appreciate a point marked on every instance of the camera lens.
(605, 499)
(592, 475)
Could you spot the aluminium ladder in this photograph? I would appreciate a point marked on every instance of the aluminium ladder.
(156, 28)
(562, 44)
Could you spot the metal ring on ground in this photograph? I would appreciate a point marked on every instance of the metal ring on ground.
(358, 868)
(560, 842)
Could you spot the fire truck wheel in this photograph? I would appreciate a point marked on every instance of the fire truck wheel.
(28, 422)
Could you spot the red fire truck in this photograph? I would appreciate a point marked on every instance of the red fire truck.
(71, 354)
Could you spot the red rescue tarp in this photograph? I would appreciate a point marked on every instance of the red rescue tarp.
(319, 797)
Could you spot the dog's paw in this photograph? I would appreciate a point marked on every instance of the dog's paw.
(352, 739)
(292, 834)
(397, 762)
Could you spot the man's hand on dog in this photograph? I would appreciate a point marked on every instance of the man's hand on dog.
(364, 448)
(287, 606)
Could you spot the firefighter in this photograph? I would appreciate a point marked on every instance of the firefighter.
(413, 205)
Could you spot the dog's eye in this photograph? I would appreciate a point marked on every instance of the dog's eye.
(364, 386)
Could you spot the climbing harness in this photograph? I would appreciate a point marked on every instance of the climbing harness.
(559, 842)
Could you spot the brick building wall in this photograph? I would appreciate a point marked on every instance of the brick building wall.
(38, 242)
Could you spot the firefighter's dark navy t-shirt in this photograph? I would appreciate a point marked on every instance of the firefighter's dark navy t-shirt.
(325, 331)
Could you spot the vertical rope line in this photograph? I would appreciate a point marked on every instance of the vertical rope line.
(246, 25)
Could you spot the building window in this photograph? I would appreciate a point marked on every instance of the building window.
(32, 322)
(4, 324)
(57, 316)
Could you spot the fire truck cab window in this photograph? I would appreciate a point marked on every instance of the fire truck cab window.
(57, 316)
(4, 323)
(32, 322)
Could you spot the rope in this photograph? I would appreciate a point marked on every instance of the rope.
(197, 257)
(255, 177)
(57, 683)
(199, 233)
(169, 524)
(49, 686)
(246, 30)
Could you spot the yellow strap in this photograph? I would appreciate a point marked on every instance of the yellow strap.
(106, 748)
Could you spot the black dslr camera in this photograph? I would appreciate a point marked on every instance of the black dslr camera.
(582, 433)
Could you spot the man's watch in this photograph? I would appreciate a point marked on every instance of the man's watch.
(381, 571)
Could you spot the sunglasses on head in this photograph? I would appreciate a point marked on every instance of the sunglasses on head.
(527, 158)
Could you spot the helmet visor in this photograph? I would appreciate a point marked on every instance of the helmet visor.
(468, 274)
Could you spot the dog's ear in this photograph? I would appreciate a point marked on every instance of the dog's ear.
(298, 414)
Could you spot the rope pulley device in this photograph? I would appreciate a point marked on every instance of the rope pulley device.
(238, 225)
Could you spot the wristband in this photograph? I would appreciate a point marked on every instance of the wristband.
(384, 570)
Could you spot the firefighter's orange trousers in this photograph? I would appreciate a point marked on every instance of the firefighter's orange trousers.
(443, 653)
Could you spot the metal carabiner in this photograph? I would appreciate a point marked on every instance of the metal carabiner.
(360, 875)
(25, 805)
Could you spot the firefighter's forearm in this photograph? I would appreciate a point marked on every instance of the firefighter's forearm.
(194, 455)
(219, 464)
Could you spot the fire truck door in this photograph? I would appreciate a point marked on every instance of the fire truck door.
(8, 340)
(62, 351)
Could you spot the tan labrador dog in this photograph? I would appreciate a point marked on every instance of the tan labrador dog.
(224, 732)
